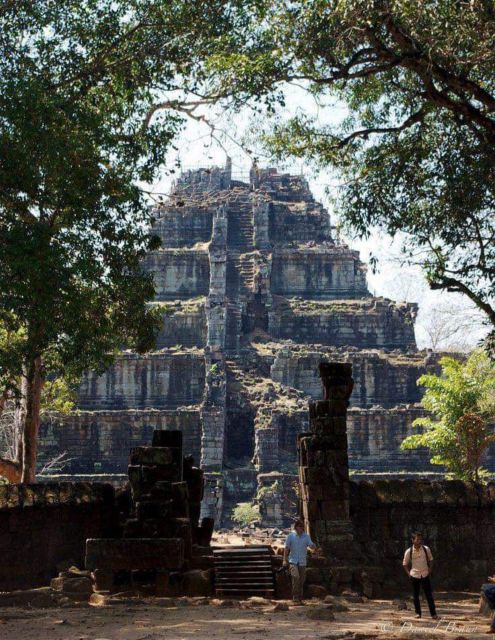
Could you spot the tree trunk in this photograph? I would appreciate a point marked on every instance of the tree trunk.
(11, 470)
(32, 385)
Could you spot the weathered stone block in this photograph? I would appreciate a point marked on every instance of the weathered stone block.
(197, 583)
(103, 580)
(152, 456)
(11, 497)
(165, 438)
(153, 509)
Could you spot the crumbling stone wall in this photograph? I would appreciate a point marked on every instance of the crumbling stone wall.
(157, 380)
(367, 324)
(186, 275)
(161, 535)
(42, 525)
(99, 441)
(202, 181)
(184, 324)
(457, 520)
(334, 272)
(364, 528)
(255, 291)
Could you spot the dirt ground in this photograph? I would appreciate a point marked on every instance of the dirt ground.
(183, 619)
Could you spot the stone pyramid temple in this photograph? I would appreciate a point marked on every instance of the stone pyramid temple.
(255, 291)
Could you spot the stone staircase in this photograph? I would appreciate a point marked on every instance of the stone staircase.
(240, 274)
(233, 368)
(240, 228)
(233, 326)
(240, 265)
(241, 572)
(246, 273)
(234, 372)
(233, 279)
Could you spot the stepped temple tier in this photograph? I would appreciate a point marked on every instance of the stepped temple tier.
(255, 292)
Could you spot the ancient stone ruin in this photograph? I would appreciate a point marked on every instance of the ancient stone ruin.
(162, 534)
(324, 467)
(256, 289)
(145, 537)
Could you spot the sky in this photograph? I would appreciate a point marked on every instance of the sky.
(445, 320)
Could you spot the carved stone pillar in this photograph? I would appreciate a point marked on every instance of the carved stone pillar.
(261, 212)
(324, 467)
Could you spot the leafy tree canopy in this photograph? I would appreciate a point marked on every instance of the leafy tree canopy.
(90, 94)
(415, 153)
(78, 85)
(461, 403)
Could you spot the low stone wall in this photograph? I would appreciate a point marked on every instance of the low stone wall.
(457, 521)
(43, 525)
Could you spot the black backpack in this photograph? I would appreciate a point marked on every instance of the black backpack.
(426, 554)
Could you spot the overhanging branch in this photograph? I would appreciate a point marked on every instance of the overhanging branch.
(454, 285)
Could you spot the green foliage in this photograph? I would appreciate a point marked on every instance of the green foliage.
(275, 487)
(461, 403)
(414, 152)
(11, 343)
(81, 128)
(245, 513)
(58, 395)
(91, 95)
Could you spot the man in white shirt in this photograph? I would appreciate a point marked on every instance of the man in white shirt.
(295, 555)
(418, 561)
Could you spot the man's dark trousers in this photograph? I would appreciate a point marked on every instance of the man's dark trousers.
(426, 584)
(489, 591)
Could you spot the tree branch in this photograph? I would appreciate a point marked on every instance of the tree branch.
(455, 82)
(185, 107)
(452, 284)
(364, 133)
(413, 58)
